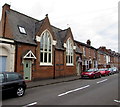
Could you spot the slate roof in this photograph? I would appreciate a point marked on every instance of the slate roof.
(83, 44)
(38, 25)
(31, 26)
(16, 19)
(56, 31)
(78, 49)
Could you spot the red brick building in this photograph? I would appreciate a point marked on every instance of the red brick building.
(38, 49)
(89, 56)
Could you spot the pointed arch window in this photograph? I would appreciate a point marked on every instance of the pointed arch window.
(46, 49)
(69, 52)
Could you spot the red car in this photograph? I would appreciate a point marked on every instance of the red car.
(91, 73)
(104, 71)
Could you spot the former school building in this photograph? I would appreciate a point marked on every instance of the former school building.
(39, 50)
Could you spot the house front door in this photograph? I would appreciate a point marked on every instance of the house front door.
(27, 69)
(3, 63)
(78, 68)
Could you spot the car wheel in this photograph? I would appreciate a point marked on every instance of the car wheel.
(20, 91)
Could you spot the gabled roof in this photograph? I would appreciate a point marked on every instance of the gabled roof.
(31, 27)
(86, 45)
(29, 55)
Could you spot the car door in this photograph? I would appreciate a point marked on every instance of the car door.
(11, 82)
(97, 72)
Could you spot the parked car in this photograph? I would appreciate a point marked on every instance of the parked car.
(104, 71)
(115, 69)
(12, 82)
(91, 73)
(111, 71)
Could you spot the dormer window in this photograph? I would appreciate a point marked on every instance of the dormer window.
(22, 30)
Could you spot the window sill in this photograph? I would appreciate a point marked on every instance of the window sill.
(46, 64)
(69, 64)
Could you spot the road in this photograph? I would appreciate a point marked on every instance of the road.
(100, 91)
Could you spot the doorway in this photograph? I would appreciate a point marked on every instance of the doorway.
(27, 69)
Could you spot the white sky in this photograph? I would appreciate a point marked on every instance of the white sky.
(96, 20)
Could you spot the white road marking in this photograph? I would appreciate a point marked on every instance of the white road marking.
(102, 81)
(117, 101)
(30, 104)
(73, 90)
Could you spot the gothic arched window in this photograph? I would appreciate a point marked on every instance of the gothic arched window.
(69, 52)
(46, 48)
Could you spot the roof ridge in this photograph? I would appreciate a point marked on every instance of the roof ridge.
(85, 44)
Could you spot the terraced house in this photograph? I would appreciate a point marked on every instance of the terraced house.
(39, 50)
(89, 56)
(107, 57)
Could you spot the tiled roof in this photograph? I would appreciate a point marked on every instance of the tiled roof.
(31, 27)
(56, 31)
(78, 49)
(83, 44)
(16, 19)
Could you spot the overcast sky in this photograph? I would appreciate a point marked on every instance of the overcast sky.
(96, 20)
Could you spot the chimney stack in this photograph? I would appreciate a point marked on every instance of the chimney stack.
(6, 7)
(88, 42)
(3, 19)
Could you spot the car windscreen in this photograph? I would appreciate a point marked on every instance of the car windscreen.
(90, 70)
(101, 69)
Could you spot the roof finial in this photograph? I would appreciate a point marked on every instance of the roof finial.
(46, 15)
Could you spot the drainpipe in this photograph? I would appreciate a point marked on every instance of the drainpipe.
(16, 49)
(54, 64)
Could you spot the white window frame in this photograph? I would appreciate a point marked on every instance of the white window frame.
(22, 30)
(69, 53)
(48, 50)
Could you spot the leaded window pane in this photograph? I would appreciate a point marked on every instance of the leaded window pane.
(41, 57)
(49, 57)
(46, 48)
(45, 57)
(69, 52)
(41, 43)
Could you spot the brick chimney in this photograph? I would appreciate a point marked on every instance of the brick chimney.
(88, 42)
(3, 19)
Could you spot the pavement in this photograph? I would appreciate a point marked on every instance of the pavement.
(38, 83)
